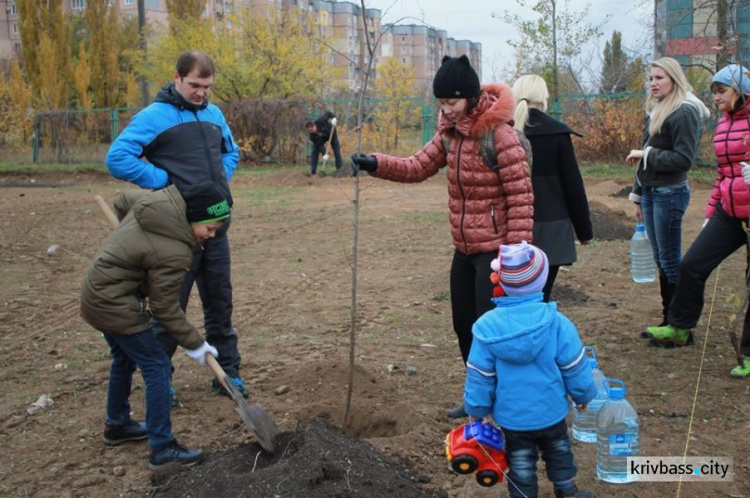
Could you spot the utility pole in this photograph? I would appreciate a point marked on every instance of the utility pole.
(145, 98)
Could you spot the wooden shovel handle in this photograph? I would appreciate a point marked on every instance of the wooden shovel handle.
(107, 211)
(220, 374)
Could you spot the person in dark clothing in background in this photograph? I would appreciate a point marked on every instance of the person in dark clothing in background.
(325, 130)
(561, 210)
(318, 139)
(186, 140)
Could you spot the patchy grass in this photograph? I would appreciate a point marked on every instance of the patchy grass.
(23, 167)
(625, 172)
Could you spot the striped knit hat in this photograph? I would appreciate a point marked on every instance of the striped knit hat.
(521, 269)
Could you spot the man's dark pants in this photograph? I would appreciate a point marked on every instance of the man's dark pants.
(211, 272)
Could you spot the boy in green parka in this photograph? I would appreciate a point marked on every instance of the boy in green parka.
(138, 273)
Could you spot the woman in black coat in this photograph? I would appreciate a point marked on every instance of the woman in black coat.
(561, 209)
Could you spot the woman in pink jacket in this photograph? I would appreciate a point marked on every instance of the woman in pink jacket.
(726, 214)
(487, 206)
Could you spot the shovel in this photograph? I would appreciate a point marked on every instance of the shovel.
(255, 417)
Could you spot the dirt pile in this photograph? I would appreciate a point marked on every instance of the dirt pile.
(315, 461)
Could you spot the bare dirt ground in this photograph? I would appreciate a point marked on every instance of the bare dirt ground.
(291, 243)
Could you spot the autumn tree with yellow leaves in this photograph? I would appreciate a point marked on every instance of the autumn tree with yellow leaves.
(396, 86)
(256, 57)
(46, 49)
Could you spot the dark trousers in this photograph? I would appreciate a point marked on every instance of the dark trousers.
(716, 241)
(551, 276)
(210, 270)
(140, 350)
(471, 294)
(522, 451)
(320, 149)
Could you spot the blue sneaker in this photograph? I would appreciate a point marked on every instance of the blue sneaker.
(219, 389)
(173, 401)
(174, 453)
(118, 434)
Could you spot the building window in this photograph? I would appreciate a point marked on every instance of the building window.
(110, 2)
(15, 29)
(13, 10)
(16, 47)
(152, 4)
(128, 2)
(77, 4)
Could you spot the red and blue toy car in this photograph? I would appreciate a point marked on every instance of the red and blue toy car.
(477, 447)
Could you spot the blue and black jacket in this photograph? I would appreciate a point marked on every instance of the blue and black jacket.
(183, 144)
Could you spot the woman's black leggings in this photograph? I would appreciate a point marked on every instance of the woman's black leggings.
(471, 294)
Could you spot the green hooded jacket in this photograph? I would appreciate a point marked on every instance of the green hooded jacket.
(140, 268)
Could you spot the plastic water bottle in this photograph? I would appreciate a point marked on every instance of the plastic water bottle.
(584, 423)
(642, 265)
(617, 435)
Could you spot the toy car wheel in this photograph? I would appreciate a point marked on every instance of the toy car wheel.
(464, 464)
(487, 478)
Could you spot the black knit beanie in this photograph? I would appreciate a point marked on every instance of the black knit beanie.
(205, 203)
(456, 79)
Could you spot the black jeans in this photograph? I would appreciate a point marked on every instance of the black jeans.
(471, 294)
(210, 270)
(522, 451)
(716, 241)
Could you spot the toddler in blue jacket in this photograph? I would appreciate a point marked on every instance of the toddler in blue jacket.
(525, 359)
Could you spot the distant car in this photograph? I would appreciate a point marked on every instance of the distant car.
(477, 447)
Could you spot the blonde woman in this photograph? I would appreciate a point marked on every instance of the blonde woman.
(561, 210)
(661, 192)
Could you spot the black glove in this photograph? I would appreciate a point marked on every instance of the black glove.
(363, 162)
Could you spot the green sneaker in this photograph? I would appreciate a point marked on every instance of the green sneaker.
(741, 372)
(670, 337)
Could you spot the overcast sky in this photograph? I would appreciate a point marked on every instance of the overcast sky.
(472, 20)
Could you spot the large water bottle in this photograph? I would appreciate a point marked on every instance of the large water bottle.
(617, 435)
(642, 265)
(584, 423)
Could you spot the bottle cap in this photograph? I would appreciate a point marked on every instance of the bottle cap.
(640, 227)
(616, 391)
(593, 363)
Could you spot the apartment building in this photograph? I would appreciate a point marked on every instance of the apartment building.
(422, 48)
(10, 39)
(340, 22)
(689, 30)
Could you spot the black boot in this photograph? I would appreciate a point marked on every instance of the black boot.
(457, 412)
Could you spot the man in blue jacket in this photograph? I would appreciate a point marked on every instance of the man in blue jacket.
(181, 139)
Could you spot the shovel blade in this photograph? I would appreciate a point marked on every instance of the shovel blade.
(256, 419)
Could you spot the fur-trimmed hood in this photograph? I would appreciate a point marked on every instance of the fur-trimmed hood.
(496, 106)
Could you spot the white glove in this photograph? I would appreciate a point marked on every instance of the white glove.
(199, 353)
(325, 157)
(334, 121)
(746, 172)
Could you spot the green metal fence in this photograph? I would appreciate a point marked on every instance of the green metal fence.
(611, 124)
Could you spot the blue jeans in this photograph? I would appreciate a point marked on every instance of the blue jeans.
(663, 209)
(521, 451)
(140, 350)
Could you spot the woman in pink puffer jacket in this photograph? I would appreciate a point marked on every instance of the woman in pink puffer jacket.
(486, 207)
(724, 230)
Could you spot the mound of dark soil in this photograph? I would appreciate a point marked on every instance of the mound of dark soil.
(609, 224)
(316, 461)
